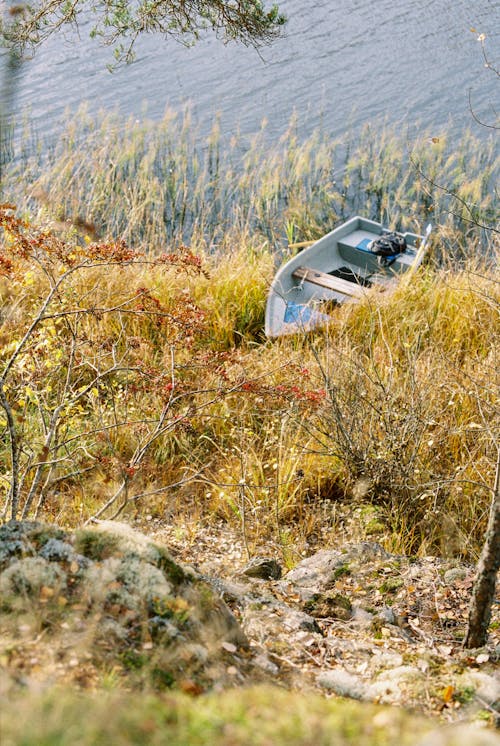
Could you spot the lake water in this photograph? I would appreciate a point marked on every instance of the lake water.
(341, 63)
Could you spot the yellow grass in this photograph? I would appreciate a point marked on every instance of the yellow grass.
(410, 409)
(409, 385)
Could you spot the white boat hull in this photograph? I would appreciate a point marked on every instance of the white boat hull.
(339, 267)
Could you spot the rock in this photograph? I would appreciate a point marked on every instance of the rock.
(391, 585)
(329, 605)
(294, 620)
(265, 568)
(129, 582)
(56, 550)
(197, 653)
(24, 539)
(389, 660)
(406, 673)
(112, 632)
(486, 687)
(343, 683)
(127, 538)
(458, 735)
(389, 687)
(30, 580)
(11, 549)
(367, 551)
(386, 615)
(361, 617)
(122, 597)
(455, 574)
(262, 661)
(112, 539)
(232, 593)
(320, 571)
(316, 571)
(161, 627)
(276, 621)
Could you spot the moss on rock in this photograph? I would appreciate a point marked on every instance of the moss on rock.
(124, 600)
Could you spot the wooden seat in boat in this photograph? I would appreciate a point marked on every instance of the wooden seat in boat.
(324, 280)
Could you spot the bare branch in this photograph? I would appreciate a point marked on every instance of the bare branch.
(476, 118)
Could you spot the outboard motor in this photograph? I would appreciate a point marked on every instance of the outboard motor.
(387, 247)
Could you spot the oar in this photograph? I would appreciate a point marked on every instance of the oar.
(301, 245)
(420, 254)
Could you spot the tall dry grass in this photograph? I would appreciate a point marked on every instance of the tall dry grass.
(393, 408)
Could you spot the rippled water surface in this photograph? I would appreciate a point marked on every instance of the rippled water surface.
(342, 63)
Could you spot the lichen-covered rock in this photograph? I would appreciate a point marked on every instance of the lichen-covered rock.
(329, 604)
(24, 539)
(278, 625)
(391, 684)
(386, 615)
(460, 735)
(263, 661)
(30, 580)
(122, 598)
(454, 575)
(265, 568)
(321, 571)
(486, 687)
(318, 570)
(361, 618)
(56, 550)
(343, 683)
(128, 580)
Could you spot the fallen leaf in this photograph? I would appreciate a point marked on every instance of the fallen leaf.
(448, 693)
(188, 686)
(46, 592)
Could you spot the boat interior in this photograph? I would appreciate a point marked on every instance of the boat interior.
(359, 268)
(354, 249)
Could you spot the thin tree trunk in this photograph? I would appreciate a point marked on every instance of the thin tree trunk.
(483, 592)
(13, 496)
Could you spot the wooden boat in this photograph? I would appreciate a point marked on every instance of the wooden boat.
(339, 267)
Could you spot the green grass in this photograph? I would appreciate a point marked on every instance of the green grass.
(246, 717)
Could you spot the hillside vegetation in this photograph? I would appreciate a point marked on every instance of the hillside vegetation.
(159, 384)
(137, 382)
(394, 406)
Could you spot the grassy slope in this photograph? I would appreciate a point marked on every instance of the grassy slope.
(395, 404)
(248, 717)
(411, 415)
(412, 378)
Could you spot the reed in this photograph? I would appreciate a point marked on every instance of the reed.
(156, 184)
